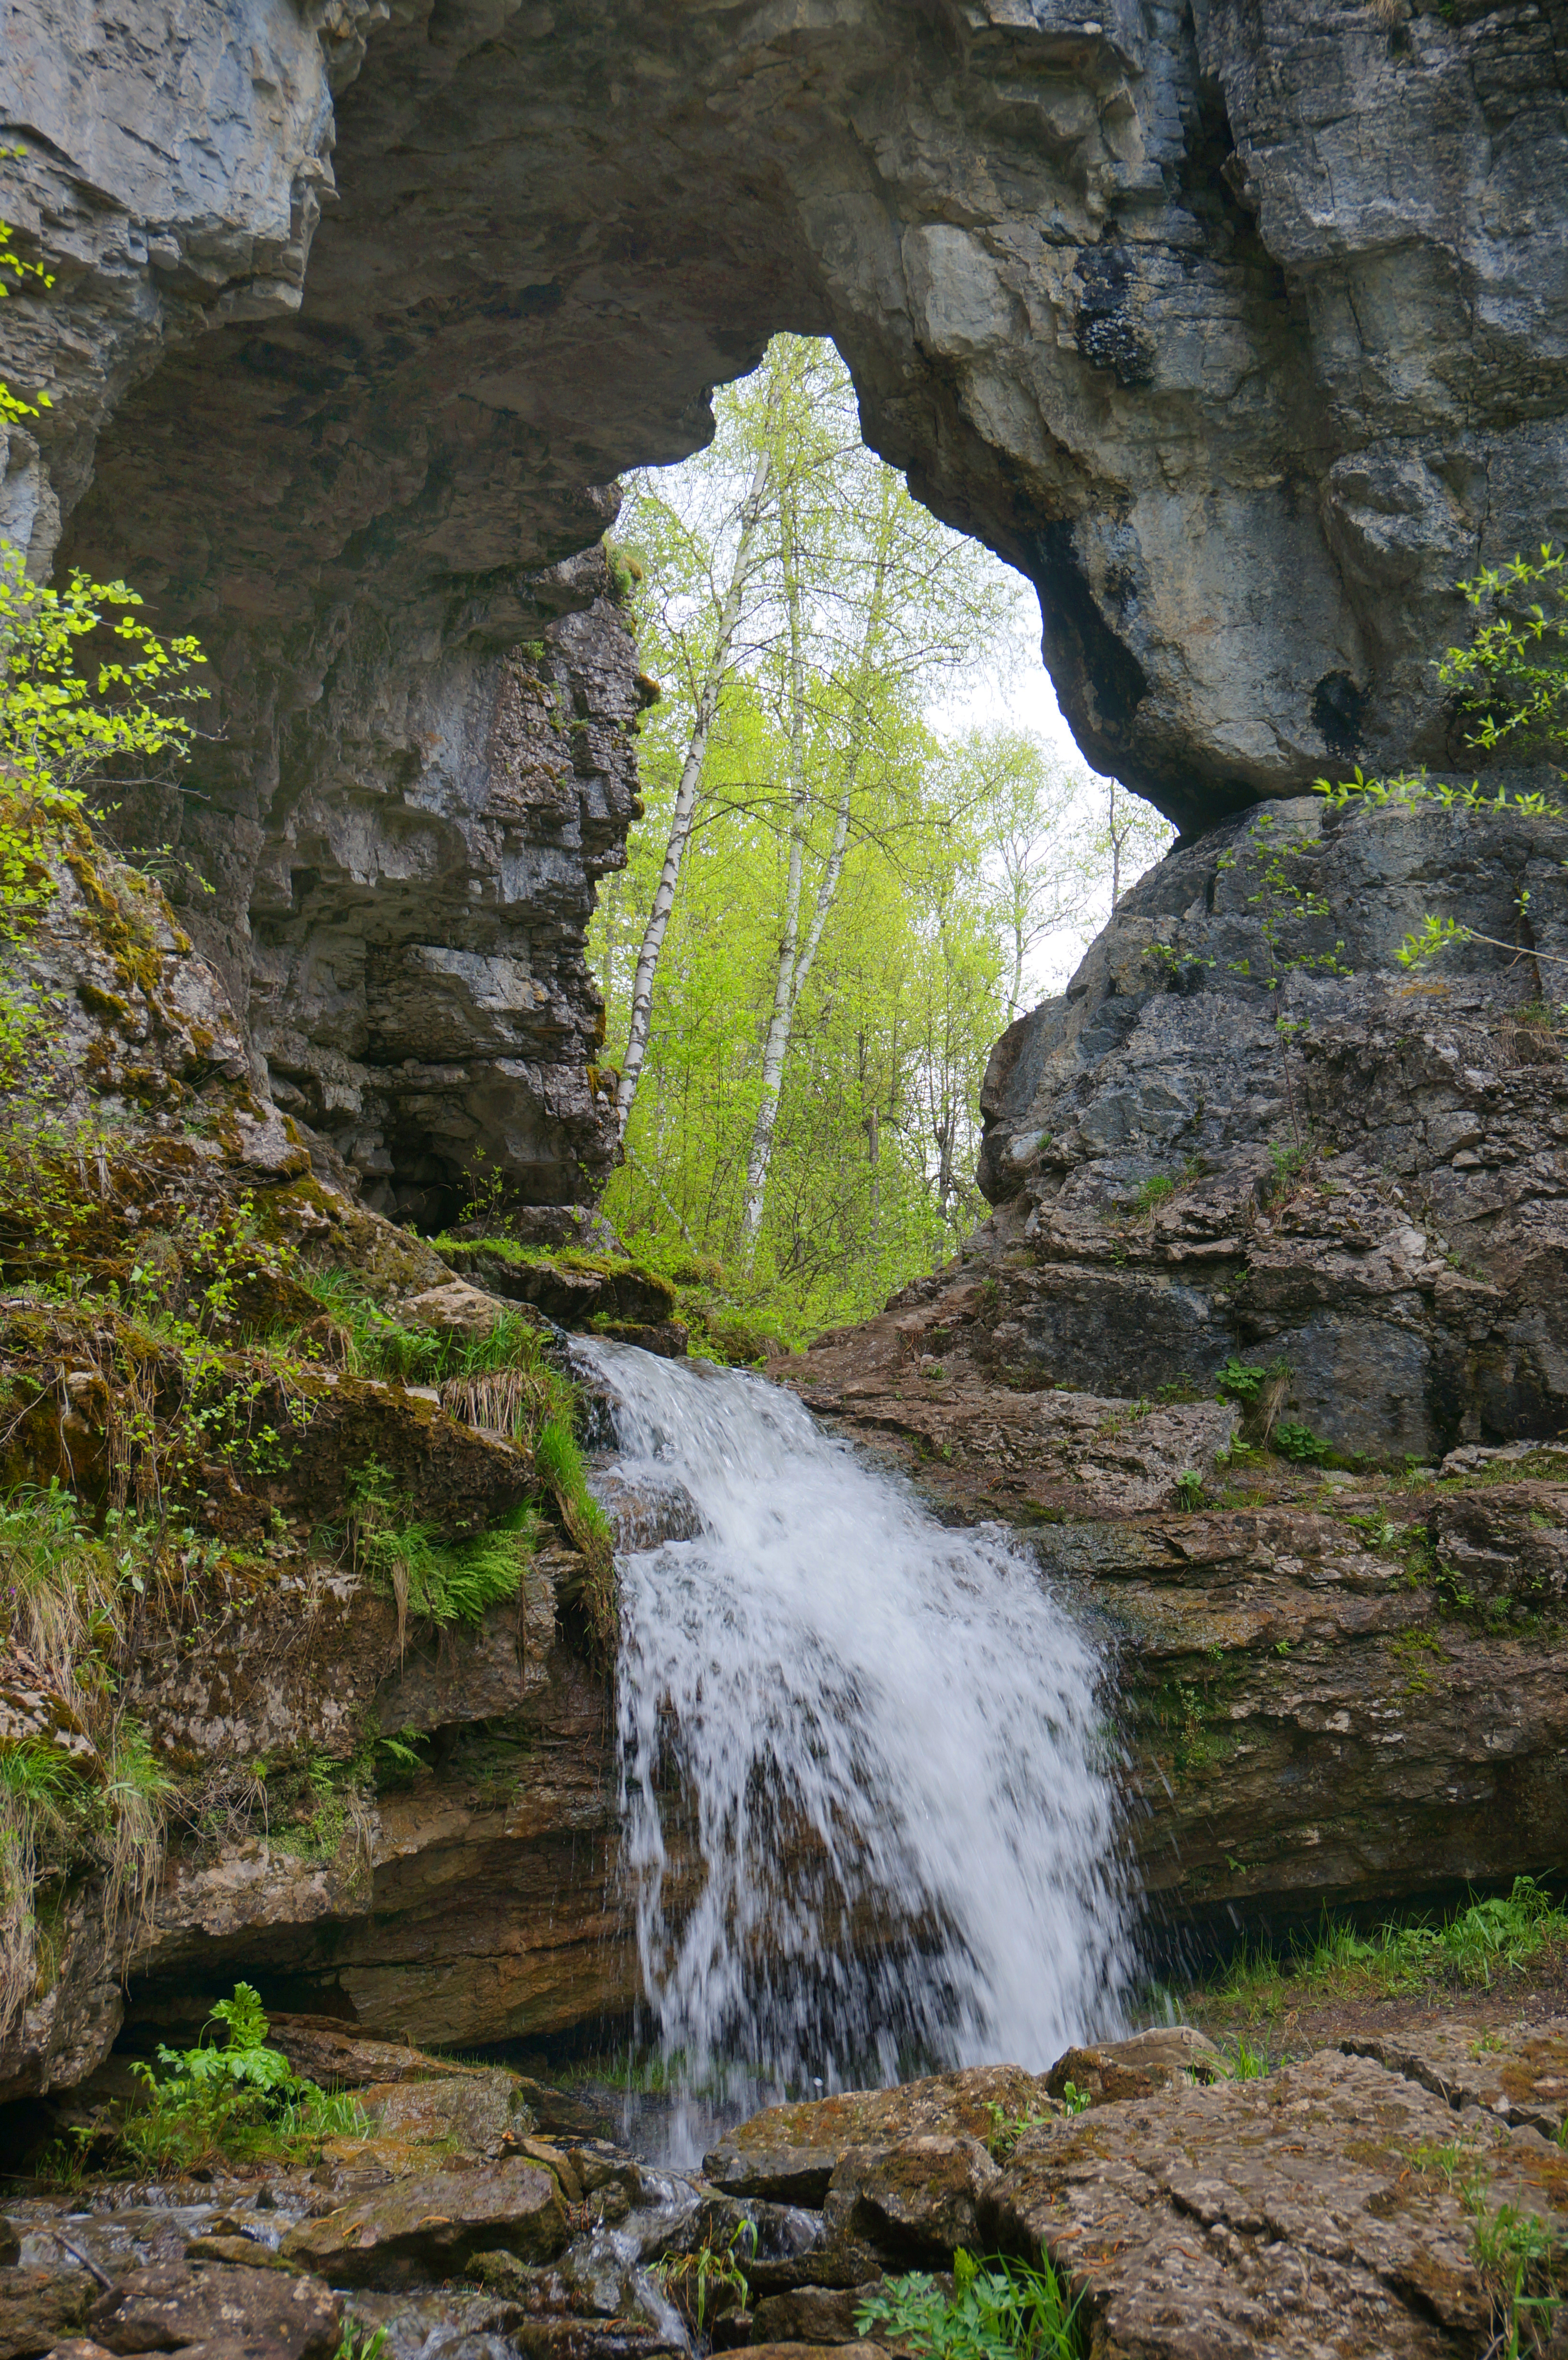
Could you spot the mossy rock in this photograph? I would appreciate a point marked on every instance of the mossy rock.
(575, 1289)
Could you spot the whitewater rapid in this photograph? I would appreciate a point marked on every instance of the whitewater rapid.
(878, 1739)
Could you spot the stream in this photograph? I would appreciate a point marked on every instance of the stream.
(869, 1825)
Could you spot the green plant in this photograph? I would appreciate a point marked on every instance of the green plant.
(214, 2095)
(1521, 2258)
(1190, 1488)
(13, 409)
(239, 2100)
(710, 2280)
(431, 1580)
(998, 2310)
(1248, 2064)
(1240, 1382)
(1008, 2125)
(59, 725)
(1294, 1441)
(1076, 2101)
(360, 2342)
(1513, 677)
(92, 1792)
(558, 1462)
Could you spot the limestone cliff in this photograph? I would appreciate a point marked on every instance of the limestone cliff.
(1240, 330)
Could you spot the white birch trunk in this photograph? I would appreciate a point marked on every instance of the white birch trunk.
(793, 969)
(686, 801)
(778, 1022)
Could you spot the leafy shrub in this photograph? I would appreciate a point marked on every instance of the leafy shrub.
(241, 2100)
(998, 2311)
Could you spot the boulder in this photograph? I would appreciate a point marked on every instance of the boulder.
(454, 1309)
(249, 2314)
(431, 2227)
(1517, 2072)
(1161, 2059)
(907, 2206)
(791, 2152)
(811, 2315)
(39, 2307)
(335, 2055)
(472, 2113)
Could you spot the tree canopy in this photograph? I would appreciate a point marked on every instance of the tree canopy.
(831, 910)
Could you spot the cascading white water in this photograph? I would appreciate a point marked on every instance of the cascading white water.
(880, 1740)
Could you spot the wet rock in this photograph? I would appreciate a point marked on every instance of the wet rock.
(263, 2314)
(79, 2347)
(558, 2114)
(474, 2113)
(1161, 2058)
(811, 2315)
(39, 2307)
(840, 2350)
(1267, 2217)
(249, 2252)
(593, 2339)
(791, 2152)
(907, 2206)
(431, 2226)
(645, 1513)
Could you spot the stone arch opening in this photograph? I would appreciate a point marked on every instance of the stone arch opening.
(1115, 293)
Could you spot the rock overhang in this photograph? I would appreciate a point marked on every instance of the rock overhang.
(1131, 294)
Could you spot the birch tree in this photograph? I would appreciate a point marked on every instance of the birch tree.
(1027, 809)
(713, 675)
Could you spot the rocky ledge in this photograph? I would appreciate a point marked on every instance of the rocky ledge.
(1352, 2201)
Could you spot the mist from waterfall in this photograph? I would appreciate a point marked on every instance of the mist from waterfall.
(866, 1814)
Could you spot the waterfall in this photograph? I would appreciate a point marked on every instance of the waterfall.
(866, 1810)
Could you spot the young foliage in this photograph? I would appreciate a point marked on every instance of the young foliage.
(999, 2310)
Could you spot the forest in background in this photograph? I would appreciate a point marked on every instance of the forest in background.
(851, 863)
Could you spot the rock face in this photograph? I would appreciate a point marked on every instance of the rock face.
(355, 306)
(1245, 1130)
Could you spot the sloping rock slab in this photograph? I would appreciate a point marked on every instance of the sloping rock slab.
(262, 2313)
(1518, 2072)
(432, 2227)
(1267, 2218)
(790, 2153)
(37, 2308)
(324, 2049)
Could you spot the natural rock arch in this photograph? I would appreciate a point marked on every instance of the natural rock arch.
(1243, 329)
